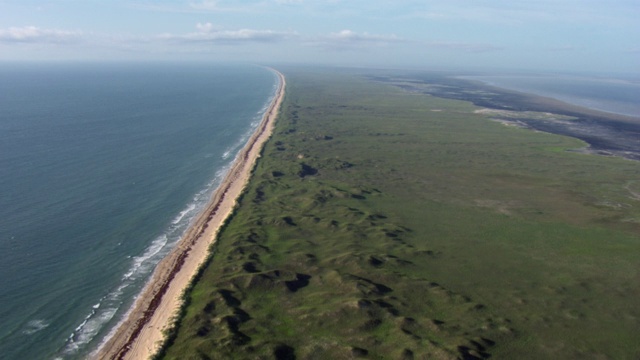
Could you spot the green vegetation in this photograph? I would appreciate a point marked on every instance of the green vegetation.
(389, 225)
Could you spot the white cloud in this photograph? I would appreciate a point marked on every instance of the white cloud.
(525, 12)
(208, 33)
(33, 34)
(351, 40)
(351, 36)
(218, 4)
(463, 47)
(209, 5)
(234, 6)
(206, 27)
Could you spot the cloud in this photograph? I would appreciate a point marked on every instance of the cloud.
(33, 34)
(208, 33)
(204, 28)
(209, 5)
(350, 40)
(353, 37)
(200, 6)
(526, 12)
(463, 47)
(347, 39)
(235, 6)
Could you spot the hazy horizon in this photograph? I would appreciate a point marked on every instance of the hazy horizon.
(567, 35)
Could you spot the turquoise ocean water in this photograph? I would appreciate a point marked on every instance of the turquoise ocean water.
(102, 168)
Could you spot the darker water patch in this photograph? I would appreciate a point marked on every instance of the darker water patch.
(605, 134)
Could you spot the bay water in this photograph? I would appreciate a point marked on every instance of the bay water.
(619, 95)
(102, 168)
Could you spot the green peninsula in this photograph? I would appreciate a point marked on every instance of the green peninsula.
(387, 224)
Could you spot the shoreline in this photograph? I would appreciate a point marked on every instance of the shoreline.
(605, 133)
(538, 102)
(141, 333)
(567, 101)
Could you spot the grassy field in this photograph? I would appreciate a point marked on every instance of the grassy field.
(388, 225)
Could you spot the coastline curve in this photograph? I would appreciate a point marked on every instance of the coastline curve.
(140, 334)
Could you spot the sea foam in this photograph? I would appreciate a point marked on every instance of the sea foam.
(107, 308)
(125, 172)
(140, 269)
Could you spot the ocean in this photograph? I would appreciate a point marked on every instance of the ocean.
(610, 94)
(102, 168)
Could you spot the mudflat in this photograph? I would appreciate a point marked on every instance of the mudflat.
(606, 133)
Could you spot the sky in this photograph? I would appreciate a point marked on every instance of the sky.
(552, 35)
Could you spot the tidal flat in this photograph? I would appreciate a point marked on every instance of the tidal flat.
(605, 133)
(390, 224)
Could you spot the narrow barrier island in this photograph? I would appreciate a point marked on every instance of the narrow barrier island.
(382, 223)
(143, 329)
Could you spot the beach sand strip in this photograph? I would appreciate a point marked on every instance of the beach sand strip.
(141, 333)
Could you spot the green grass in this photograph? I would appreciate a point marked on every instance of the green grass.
(423, 234)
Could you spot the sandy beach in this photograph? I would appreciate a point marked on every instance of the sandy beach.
(140, 334)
